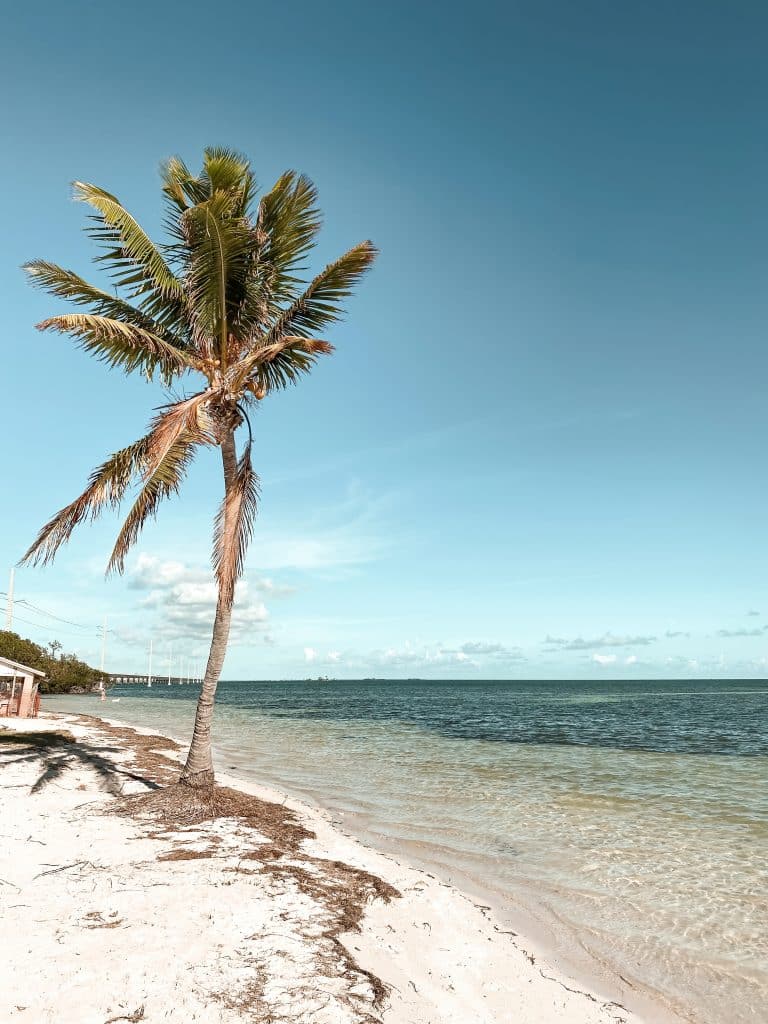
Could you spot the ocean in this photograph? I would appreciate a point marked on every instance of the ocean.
(626, 822)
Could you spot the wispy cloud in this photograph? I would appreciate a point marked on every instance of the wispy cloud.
(741, 632)
(485, 649)
(336, 537)
(606, 640)
(332, 550)
(408, 657)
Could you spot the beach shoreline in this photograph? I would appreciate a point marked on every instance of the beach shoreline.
(546, 935)
(477, 970)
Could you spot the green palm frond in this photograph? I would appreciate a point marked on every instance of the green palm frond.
(234, 527)
(288, 221)
(177, 178)
(319, 305)
(225, 170)
(135, 259)
(121, 344)
(66, 284)
(321, 302)
(106, 486)
(219, 245)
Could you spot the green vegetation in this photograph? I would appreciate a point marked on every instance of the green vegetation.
(63, 672)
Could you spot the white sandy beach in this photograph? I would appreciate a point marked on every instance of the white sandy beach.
(292, 921)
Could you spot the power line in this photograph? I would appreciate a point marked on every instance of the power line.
(50, 615)
(44, 625)
(82, 631)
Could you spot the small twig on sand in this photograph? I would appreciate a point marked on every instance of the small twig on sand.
(137, 1015)
(64, 867)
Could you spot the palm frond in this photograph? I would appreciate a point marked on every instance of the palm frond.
(165, 480)
(287, 225)
(319, 305)
(66, 284)
(279, 365)
(176, 176)
(135, 259)
(321, 302)
(219, 242)
(106, 486)
(121, 344)
(176, 434)
(226, 170)
(234, 527)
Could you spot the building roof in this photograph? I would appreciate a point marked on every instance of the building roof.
(9, 668)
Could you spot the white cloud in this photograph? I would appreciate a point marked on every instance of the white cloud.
(631, 660)
(313, 657)
(605, 659)
(183, 600)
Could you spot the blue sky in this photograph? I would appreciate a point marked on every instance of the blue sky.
(539, 449)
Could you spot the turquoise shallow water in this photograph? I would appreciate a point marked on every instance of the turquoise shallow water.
(634, 814)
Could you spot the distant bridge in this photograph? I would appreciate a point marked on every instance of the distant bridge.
(132, 678)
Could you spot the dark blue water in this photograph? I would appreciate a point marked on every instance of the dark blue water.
(691, 717)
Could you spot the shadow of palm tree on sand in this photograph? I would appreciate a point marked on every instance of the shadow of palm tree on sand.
(54, 753)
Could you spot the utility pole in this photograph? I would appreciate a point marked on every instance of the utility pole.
(9, 608)
(149, 674)
(103, 643)
(103, 653)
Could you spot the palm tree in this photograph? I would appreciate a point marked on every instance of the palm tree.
(224, 301)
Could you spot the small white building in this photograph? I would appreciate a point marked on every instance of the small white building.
(19, 696)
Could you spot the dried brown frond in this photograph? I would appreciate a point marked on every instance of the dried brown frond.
(234, 526)
(310, 344)
(122, 344)
(180, 806)
(273, 845)
(107, 486)
(171, 445)
(186, 855)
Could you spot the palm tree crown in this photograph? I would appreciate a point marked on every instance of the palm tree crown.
(224, 299)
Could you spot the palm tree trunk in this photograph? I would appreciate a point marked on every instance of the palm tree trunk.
(198, 770)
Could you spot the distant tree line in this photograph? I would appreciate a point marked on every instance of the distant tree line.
(64, 673)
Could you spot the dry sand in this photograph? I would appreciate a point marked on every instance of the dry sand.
(119, 904)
